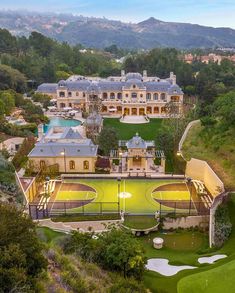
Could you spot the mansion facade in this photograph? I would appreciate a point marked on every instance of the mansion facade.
(128, 94)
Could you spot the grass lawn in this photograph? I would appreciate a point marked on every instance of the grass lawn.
(222, 160)
(47, 235)
(188, 247)
(217, 280)
(140, 222)
(126, 131)
(140, 202)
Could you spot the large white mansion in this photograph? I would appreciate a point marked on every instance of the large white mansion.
(128, 94)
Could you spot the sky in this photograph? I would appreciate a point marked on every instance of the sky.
(205, 12)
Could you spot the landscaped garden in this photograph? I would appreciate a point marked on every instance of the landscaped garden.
(126, 131)
(184, 248)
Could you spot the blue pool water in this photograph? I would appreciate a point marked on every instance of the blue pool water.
(58, 121)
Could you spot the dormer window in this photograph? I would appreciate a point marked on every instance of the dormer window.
(134, 95)
(134, 86)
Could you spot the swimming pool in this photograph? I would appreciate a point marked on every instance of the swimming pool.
(59, 121)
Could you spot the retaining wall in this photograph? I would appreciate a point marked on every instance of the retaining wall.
(186, 222)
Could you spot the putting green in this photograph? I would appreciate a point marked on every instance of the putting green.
(141, 200)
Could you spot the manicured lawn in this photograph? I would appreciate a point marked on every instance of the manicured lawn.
(127, 131)
(222, 160)
(217, 280)
(140, 202)
(140, 222)
(188, 247)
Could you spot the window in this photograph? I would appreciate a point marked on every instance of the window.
(148, 97)
(105, 95)
(71, 165)
(134, 86)
(163, 96)
(85, 165)
(155, 96)
(62, 94)
(119, 96)
(141, 95)
(126, 95)
(70, 94)
(134, 95)
(84, 95)
(112, 96)
(62, 105)
(42, 164)
(77, 94)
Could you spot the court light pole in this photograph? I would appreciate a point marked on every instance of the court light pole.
(189, 181)
(64, 154)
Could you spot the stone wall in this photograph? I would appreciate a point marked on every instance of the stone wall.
(186, 222)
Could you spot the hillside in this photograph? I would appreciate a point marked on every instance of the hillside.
(221, 159)
(101, 32)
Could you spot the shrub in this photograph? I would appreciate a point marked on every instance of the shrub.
(223, 226)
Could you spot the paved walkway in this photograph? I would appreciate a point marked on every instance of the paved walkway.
(86, 226)
(134, 119)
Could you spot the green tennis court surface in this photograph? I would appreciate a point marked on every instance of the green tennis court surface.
(142, 198)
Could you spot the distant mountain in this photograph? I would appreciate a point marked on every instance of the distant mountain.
(101, 32)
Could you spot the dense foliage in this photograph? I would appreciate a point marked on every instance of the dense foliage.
(115, 250)
(223, 226)
(40, 59)
(21, 259)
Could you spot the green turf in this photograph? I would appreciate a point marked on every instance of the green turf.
(127, 131)
(47, 235)
(182, 254)
(140, 222)
(217, 280)
(141, 201)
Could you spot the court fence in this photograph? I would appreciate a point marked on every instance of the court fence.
(86, 207)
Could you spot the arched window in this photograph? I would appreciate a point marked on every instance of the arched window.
(163, 96)
(77, 94)
(62, 105)
(71, 165)
(134, 95)
(148, 97)
(85, 165)
(105, 96)
(155, 96)
(119, 96)
(62, 94)
(112, 96)
(42, 164)
(70, 94)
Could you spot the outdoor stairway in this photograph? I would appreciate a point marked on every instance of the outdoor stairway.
(134, 119)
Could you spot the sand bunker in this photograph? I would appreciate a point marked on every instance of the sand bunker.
(161, 266)
(211, 259)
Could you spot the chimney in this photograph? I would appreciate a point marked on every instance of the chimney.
(173, 78)
(122, 73)
(145, 73)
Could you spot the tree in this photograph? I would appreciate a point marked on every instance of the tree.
(20, 157)
(115, 250)
(11, 79)
(107, 140)
(8, 100)
(21, 258)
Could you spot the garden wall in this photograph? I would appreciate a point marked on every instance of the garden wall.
(200, 170)
(186, 222)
